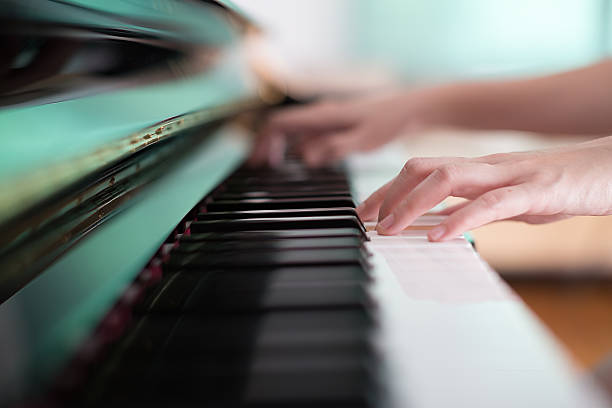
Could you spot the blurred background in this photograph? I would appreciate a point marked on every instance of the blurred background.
(563, 270)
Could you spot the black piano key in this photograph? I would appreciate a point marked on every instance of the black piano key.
(268, 224)
(171, 293)
(272, 188)
(290, 166)
(189, 335)
(129, 362)
(302, 329)
(333, 388)
(285, 275)
(287, 180)
(263, 303)
(268, 244)
(204, 299)
(277, 204)
(227, 351)
(314, 212)
(278, 234)
(225, 280)
(280, 194)
(258, 361)
(245, 259)
(149, 335)
(340, 388)
(179, 286)
(270, 338)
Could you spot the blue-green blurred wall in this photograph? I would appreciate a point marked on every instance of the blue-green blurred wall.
(474, 38)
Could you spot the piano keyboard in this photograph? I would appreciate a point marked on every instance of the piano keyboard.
(260, 299)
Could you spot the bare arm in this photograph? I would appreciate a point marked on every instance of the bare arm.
(573, 102)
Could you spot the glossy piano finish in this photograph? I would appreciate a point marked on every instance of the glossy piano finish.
(97, 99)
(82, 81)
(42, 325)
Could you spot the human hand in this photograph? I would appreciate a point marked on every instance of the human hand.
(329, 130)
(535, 187)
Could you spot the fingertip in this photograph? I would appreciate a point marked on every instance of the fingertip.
(312, 158)
(438, 233)
(364, 212)
(387, 226)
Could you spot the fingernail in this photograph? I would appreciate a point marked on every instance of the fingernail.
(386, 223)
(437, 232)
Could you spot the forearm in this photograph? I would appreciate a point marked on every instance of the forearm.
(574, 102)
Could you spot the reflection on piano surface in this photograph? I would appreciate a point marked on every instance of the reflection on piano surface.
(270, 309)
(141, 264)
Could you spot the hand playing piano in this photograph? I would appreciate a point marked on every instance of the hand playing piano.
(329, 130)
(535, 187)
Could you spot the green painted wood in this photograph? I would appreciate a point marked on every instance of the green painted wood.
(57, 310)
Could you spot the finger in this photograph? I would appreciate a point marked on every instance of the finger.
(264, 150)
(276, 150)
(318, 117)
(441, 183)
(494, 205)
(451, 209)
(331, 147)
(540, 219)
(368, 210)
(414, 172)
(303, 120)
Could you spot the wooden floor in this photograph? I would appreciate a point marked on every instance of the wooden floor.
(579, 313)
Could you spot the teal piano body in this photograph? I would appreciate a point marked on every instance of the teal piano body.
(116, 117)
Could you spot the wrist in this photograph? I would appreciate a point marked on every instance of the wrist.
(431, 106)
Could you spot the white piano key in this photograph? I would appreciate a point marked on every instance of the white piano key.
(453, 333)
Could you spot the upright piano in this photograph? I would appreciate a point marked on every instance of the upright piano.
(142, 264)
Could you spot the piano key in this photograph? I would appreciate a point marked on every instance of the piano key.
(280, 194)
(318, 331)
(267, 224)
(278, 204)
(242, 259)
(337, 388)
(290, 166)
(204, 299)
(321, 389)
(287, 171)
(284, 277)
(263, 303)
(303, 328)
(278, 187)
(173, 293)
(255, 184)
(288, 180)
(146, 338)
(319, 343)
(200, 334)
(261, 361)
(269, 244)
(277, 234)
(308, 212)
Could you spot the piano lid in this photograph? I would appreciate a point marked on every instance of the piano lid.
(88, 84)
(79, 76)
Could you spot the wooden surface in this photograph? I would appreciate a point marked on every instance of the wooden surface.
(579, 247)
(579, 313)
